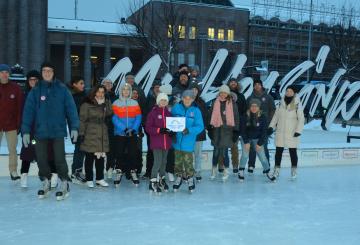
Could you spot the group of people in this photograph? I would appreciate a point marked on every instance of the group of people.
(107, 129)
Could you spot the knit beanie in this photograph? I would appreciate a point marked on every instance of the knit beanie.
(188, 93)
(255, 101)
(224, 89)
(4, 67)
(161, 96)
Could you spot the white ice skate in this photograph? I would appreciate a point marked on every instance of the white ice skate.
(64, 191)
(213, 173)
(23, 180)
(54, 180)
(90, 184)
(102, 183)
(293, 173)
(225, 175)
(45, 187)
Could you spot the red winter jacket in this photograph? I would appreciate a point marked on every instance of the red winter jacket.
(11, 104)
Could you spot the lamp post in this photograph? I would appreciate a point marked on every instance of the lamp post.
(310, 39)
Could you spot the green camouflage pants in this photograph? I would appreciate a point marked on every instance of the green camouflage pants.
(184, 163)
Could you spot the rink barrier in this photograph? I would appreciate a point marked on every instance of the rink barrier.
(307, 158)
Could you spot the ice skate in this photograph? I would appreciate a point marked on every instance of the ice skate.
(276, 172)
(102, 183)
(23, 180)
(235, 171)
(225, 175)
(78, 178)
(272, 178)
(118, 176)
(90, 184)
(191, 184)
(14, 176)
(64, 191)
(45, 187)
(109, 173)
(163, 185)
(54, 181)
(213, 173)
(293, 173)
(171, 177)
(198, 177)
(177, 183)
(134, 178)
(153, 186)
(251, 169)
(241, 175)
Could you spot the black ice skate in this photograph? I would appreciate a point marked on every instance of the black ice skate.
(64, 191)
(272, 178)
(14, 176)
(153, 186)
(241, 175)
(162, 184)
(134, 178)
(45, 187)
(191, 183)
(177, 183)
(117, 178)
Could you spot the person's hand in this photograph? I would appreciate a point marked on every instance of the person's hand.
(26, 140)
(74, 135)
(297, 134)
(163, 130)
(247, 147)
(270, 131)
(185, 131)
(171, 133)
(129, 132)
(258, 148)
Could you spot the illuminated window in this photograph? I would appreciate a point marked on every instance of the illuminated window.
(182, 32)
(192, 32)
(221, 34)
(170, 31)
(181, 58)
(191, 59)
(230, 35)
(211, 33)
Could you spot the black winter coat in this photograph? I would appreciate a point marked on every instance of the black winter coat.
(254, 128)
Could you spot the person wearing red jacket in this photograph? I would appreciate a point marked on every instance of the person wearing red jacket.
(11, 103)
(160, 141)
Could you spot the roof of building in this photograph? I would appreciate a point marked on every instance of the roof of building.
(212, 2)
(90, 26)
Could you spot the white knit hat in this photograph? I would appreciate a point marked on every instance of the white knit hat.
(224, 89)
(161, 96)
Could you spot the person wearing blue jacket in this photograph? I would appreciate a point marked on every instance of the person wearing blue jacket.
(185, 140)
(48, 107)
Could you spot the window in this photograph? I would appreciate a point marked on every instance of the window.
(211, 33)
(181, 58)
(191, 59)
(170, 31)
(221, 34)
(192, 32)
(230, 35)
(182, 32)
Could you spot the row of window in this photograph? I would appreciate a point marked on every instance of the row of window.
(192, 33)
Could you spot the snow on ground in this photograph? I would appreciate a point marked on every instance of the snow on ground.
(320, 207)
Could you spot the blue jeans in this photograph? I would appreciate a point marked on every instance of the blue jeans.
(197, 156)
(261, 154)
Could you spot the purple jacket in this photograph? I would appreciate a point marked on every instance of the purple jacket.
(156, 119)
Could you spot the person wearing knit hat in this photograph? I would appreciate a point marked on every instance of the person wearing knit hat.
(160, 142)
(186, 139)
(254, 101)
(181, 85)
(57, 110)
(130, 79)
(11, 101)
(224, 124)
(267, 107)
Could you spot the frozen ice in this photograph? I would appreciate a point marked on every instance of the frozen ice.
(320, 207)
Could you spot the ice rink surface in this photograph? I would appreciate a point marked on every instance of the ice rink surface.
(321, 207)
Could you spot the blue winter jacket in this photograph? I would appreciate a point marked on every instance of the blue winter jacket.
(194, 123)
(49, 106)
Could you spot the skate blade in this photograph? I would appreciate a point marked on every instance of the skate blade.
(60, 198)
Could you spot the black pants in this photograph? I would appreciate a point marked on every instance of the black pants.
(149, 157)
(124, 144)
(170, 166)
(89, 164)
(293, 156)
(25, 166)
(110, 156)
(139, 161)
(252, 154)
(41, 148)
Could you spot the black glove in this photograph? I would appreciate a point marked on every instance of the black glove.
(297, 134)
(270, 131)
(235, 136)
(141, 134)
(164, 130)
(185, 131)
(129, 132)
(80, 139)
(171, 133)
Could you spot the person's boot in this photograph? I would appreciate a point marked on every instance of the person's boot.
(241, 174)
(117, 178)
(23, 180)
(276, 172)
(45, 188)
(102, 183)
(271, 177)
(225, 175)
(177, 183)
(163, 185)
(14, 176)
(293, 173)
(64, 191)
(213, 173)
(54, 181)
(191, 184)
(153, 186)
(134, 178)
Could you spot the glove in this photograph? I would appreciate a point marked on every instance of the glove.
(74, 135)
(171, 133)
(235, 136)
(129, 132)
(80, 139)
(26, 140)
(141, 134)
(185, 131)
(297, 134)
(164, 130)
(270, 131)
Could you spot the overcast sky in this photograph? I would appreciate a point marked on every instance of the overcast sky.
(111, 10)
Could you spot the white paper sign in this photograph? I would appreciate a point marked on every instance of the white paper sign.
(176, 124)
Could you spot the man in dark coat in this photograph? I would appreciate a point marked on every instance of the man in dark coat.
(267, 108)
(11, 101)
(49, 106)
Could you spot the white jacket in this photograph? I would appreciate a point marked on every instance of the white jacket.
(287, 121)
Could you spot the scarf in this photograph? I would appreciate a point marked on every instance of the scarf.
(216, 119)
(288, 99)
(100, 101)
